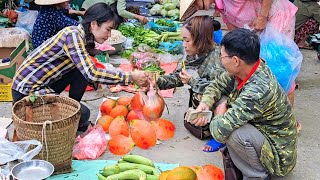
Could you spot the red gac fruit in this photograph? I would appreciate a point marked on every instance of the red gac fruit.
(143, 134)
(131, 116)
(120, 145)
(119, 110)
(119, 126)
(124, 100)
(136, 104)
(165, 129)
(210, 172)
(107, 106)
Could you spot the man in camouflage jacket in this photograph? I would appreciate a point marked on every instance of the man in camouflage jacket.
(256, 123)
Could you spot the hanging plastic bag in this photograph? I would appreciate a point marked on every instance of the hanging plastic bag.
(282, 56)
(148, 106)
(91, 144)
(10, 151)
(26, 20)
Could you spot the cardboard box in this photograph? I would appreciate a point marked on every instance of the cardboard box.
(14, 46)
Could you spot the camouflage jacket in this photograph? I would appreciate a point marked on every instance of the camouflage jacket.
(206, 68)
(263, 103)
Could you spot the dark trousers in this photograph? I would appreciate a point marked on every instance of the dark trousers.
(78, 86)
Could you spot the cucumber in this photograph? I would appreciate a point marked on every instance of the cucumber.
(109, 172)
(121, 160)
(138, 159)
(130, 174)
(101, 177)
(152, 177)
(114, 167)
(147, 169)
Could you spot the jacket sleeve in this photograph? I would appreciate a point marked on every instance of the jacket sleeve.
(64, 21)
(223, 84)
(169, 81)
(75, 50)
(248, 106)
(121, 8)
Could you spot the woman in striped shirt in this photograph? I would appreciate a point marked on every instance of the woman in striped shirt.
(64, 60)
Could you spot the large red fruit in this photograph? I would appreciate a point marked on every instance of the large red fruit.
(153, 105)
(119, 126)
(210, 172)
(143, 134)
(120, 145)
(164, 128)
(119, 110)
(131, 116)
(105, 121)
(107, 106)
(124, 100)
(136, 104)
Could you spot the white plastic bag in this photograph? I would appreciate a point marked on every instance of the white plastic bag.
(10, 151)
(282, 56)
(26, 20)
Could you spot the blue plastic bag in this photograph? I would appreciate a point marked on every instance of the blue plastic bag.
(217, 36)
(172, 48)
(159, 29)
(282, 56)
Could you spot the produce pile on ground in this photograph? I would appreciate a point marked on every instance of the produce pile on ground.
(122, 119)
(142, 168)
(148, 37)
(116, 37)
(167, 8)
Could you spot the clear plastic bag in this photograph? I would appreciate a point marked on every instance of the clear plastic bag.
(10, 151)
(282, 56)
(26, 20)
(91, 144)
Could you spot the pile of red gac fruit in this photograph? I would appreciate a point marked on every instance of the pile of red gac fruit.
(127, 130)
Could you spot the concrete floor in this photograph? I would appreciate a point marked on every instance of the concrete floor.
(186, 150)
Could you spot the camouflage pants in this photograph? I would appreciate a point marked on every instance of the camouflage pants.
(244, 146)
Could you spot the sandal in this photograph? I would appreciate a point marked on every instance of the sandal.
(306, 46)
(298, 127)
(214, 146)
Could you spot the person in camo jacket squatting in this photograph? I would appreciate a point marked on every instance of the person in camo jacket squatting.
(256, 123)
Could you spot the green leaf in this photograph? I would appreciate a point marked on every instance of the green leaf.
(32, 98)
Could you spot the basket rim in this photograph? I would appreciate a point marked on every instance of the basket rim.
(55, 121)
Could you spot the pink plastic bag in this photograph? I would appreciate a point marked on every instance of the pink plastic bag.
(91, 144)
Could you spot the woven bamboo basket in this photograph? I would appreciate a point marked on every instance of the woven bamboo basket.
(54, 122)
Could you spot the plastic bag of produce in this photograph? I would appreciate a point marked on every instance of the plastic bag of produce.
(91, 144)
(163, 25)
(172, 47)
(282, 56)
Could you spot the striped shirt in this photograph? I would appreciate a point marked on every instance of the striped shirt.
(58, 56)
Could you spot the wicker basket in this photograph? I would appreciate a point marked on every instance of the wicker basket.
(54, 122)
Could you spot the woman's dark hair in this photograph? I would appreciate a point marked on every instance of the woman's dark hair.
(201, 29)
(100, 12)
(242, 43)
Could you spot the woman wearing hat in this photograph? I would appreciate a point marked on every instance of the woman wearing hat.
(52, 17)
(119, 7)
(64, 60)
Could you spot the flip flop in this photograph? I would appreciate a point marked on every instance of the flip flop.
(215, 145)
(306, 46)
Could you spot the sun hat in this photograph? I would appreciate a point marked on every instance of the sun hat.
(187, 9)
(49, 2)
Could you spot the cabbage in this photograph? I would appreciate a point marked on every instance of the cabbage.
(164, 12)
(173, 13)
(176, 2)
(155, 9)
(166, 1)
(169, 6)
